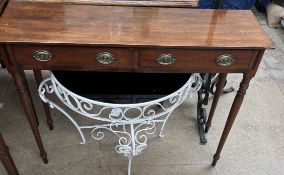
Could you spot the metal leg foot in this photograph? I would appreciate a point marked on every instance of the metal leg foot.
(201, 119)
(228, 90)
(163, 125)
(129, 165)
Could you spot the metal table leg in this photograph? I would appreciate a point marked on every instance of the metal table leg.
(131, 123)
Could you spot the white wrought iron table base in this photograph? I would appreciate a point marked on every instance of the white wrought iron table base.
(130, 122)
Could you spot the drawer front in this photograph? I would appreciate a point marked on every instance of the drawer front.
(73, 56)
(181, 60)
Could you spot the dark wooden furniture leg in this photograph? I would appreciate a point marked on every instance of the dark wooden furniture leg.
(20, 80)
(219, 89)
(233, 114)
(38, 78)
(30, 95)
(6, 158)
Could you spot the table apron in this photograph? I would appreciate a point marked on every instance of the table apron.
(115, 59)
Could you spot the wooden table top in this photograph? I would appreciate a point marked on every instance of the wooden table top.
(57, 23)
(159, 3)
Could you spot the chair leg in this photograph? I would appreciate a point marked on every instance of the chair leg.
(39, 79)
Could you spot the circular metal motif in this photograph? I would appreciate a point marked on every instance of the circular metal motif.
(165, 59)
(42, 55)
(225, 60)
(105, 58)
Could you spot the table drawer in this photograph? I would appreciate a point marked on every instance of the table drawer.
(56, 56)
(182, 60)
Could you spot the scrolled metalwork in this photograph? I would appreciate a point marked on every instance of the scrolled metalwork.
(131, 123)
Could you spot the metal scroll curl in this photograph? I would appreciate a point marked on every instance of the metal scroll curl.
(131, 123)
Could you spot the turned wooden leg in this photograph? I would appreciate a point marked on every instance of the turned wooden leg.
(233, 114)
(27, 105)
(39, 79)
(6, 158)
(29, 93)
(219, 88)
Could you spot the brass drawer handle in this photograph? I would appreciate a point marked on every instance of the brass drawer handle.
(42, 55)
(105, 58)
(165, 59)
(225, 60)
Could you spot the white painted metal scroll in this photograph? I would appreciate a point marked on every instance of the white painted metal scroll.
(131, 123)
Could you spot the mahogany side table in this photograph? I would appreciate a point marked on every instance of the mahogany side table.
(61, 36)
